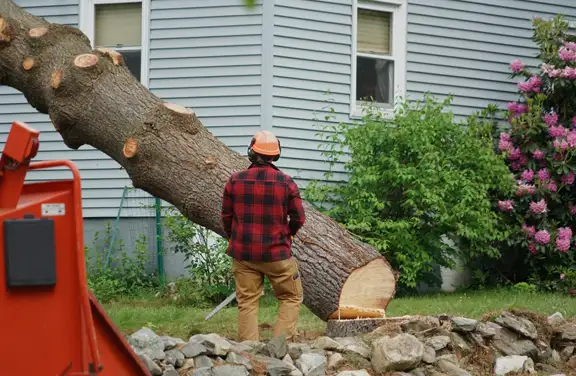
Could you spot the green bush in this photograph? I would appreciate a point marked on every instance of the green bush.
(211, 279)
(411, 180)
(126, 275)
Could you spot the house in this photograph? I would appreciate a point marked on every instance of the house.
(270, 67)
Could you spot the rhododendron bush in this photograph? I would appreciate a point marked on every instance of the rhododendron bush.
(540, 149)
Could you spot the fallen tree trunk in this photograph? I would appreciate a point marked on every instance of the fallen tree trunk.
(92, 99)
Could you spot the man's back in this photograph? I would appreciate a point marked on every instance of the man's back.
(255, 209)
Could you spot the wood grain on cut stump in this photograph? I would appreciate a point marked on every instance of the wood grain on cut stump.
(130, 148)
(56, 79)
(28, 63)
(85, 60)
(38, 32)
(179, 109)
(367, 292)
(352, 328)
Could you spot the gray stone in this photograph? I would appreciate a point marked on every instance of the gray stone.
(146, 342)
(275, 367)
(234, 358)
(288, 359)
(203, 361)
(556, 319)
(460, 343)
(327, 343)
(448, 357)
(354, 346)
(215, 344)
(429, 355)
(188, 363)
(170, 371)
(335, 360)
(567, 352)
(513, 363)
(487, 330)
(568, 333)
(361, 372)
(202, 371)
(193, 349)
(438, 342)
(175, 357)
(520, 325)
(276, 348)
(400, 353)
(476, 338)
(230, 370)
(171, 342)
(311, 364)
(297, 349)
(508, 343)
(247, 346)
(420, 324)
(451, 368)
(150, 365)
(463, 324)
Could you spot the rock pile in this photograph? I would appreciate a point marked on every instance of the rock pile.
(507, 343)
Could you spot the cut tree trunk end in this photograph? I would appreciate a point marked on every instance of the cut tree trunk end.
(93, 99)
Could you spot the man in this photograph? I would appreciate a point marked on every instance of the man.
(256, 205)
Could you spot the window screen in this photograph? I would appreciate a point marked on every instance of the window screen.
(374, 32)
(118, 25)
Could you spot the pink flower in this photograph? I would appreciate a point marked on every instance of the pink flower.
(525, 86)
(532, 248)
(514, 154)
(504, 145)
(542, 237)
(517, 65)
(538, 154)
(539, 207)
(516, 165)
(506, 205)
(565, 233)
(562, 276)
(572, 209)
(568, 179)
(543, 175)
(525, 189)
(512, 107)
(572, 139)
(574, 121)
(505, 136)
(527, 175)
(567, 54)
(558, 131)
(563, 245)
(551, 119)
(529, 230)
(552, 187)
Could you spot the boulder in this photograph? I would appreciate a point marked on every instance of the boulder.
(361, 372)
(276, 348)
(194, 349)
(400, 353)
(429, 355)
(230, 370)
(327, 343)
(150, 365)
(274, 367)
(487, 329)
(311, 364)
(175, 357)
(203, 371)
(438, 342)
(297, 349)
(203, 361)
(555, 319)
(215, 344)
(463, 324)
(145, 341)
(234, 358)
(520, 325)
(335, 361)
(509, 343)
(513, 363)
(170, 371)
(171, 342)
(354, 346)
(451, 369)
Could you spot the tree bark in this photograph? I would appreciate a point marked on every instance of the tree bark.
(92, 99)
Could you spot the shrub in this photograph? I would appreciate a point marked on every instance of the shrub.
(540, 149)
(126, 275)
(412, 180)
(211, 279)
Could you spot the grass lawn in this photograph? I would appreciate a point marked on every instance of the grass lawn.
(166, 318)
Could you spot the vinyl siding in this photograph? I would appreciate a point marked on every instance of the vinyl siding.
(102, 178)
(464, 47)
(207, 55)
(311, 80)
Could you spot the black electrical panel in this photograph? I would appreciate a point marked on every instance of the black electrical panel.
(30, 252)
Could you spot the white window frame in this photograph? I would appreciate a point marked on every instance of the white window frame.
(398, 8)
(87, 26)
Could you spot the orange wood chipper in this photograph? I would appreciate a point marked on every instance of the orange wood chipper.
(45, 302)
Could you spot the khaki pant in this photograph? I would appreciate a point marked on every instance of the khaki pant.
(285, 279)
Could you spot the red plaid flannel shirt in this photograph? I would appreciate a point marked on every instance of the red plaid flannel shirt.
(255, 209)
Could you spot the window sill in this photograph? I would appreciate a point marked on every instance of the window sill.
(357, 113)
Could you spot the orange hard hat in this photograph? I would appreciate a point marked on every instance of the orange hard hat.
(265, 143)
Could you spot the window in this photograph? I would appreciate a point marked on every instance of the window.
(121, 25)
(379, 54)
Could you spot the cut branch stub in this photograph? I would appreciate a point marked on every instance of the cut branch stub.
(4, 31)
(179, 109)
(86, 60)
(115, 56)
(56, 79)
(38, 32)
(130, 148)
(28, 63)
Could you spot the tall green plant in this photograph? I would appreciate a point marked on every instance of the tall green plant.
(413, 181)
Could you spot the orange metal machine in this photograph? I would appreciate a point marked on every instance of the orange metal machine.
(45, 303)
